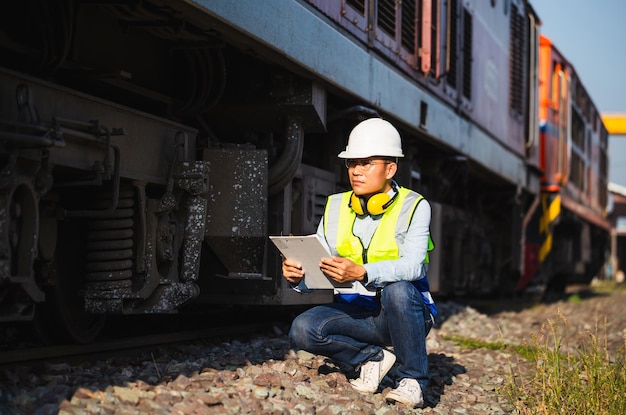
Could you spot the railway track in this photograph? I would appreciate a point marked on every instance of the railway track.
(126, 345)
(133, 335)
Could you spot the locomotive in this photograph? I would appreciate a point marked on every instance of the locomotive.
(150, 147)
(568, 240)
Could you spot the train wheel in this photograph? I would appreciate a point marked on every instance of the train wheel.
(62, 317)
(556, 287)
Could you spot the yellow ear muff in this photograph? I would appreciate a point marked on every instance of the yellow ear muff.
(378, 203)
(357, 204)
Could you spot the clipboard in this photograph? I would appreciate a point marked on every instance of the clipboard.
(308, 250)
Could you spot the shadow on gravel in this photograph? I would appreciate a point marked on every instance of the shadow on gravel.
(442, 370)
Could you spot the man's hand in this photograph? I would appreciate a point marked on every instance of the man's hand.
(342, 269)
(292, 271)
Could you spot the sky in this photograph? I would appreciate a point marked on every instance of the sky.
(591, 34)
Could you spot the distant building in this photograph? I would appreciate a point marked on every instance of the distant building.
(617, 217)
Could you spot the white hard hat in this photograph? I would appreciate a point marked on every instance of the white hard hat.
(373, 137)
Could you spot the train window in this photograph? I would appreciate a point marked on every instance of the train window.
(577, 169)
(593, 119)
(578, 130)
(603, 177)
(577, 92)
(604, 137)
(558, 90)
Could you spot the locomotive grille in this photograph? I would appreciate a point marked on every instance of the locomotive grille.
(434, 66)
(409, 20)
(452, 50)
(517, 61)
(386, 17)
(467, 54)
(358, 5)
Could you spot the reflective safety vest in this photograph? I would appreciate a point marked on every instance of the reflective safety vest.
(339, 219)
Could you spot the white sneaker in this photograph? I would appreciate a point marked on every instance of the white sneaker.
(408, 392)
(373, 372)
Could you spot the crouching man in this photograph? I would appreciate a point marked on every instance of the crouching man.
(379, 237)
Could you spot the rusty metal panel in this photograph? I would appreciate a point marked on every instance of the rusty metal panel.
(236, 226)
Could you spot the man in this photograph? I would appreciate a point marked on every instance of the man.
(378, 236)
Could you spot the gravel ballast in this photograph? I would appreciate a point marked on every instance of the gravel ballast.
(262, 375)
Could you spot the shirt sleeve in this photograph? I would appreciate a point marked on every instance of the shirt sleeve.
(413, 247)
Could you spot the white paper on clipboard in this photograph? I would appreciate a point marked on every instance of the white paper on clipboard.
(308, 250)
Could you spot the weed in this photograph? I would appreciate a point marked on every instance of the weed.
(585, 379)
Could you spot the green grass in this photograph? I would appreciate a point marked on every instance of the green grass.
(574, 299)
(524, 351)
(584, 378)
(607, 287)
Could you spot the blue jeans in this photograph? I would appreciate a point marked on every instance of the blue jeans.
(351, 335)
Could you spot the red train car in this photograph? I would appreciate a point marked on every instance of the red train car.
(569, 237)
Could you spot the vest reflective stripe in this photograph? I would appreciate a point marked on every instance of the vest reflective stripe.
(408, 209)
(339, 220)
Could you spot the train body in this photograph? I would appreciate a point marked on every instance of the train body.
(149, 147)
(568, 240)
